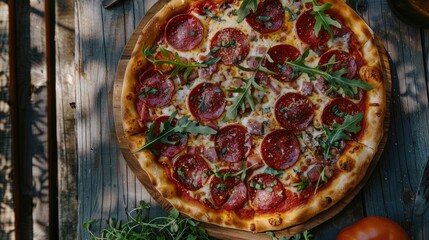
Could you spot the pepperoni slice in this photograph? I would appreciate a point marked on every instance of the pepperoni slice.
(280, 149)
(342, 60)
(155, 89)
(268, 16)
(265, 191)
(231, 45)
(294, 111)
(232, 143)
(230, 191)
(206, 101)
(184, 32)
(279, 54)
(191, 171)
(337, 110)
(305, 30)
(165, 149)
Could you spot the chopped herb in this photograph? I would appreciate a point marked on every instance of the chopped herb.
(257, 185)
(269, 25)
(193, 32)
(263, 18)
(233, 12)
(202, 105)
(181, 173)
(218, 90)
(322, 19)
(338, 132)
(166, 130)
(265, 123)
(348, 86)
(266, 110)
(147, 91)
(293, 16)
(322, 178)
(301, 185)
(273, 172)
(228, 44)
(337, 112)
(224, 150)
(221, 186)
(212, 16)
(269, 189)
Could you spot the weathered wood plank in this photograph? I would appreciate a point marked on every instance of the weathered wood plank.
(65, 89)
(7, 218)
(106, 186)
(391, 190)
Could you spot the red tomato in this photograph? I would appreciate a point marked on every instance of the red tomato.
(373, 228)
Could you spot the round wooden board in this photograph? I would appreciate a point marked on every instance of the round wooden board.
(214, 230)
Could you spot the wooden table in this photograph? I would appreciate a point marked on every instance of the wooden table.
(107, 187)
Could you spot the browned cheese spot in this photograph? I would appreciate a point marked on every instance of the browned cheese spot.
(370, 74)
(346, 164)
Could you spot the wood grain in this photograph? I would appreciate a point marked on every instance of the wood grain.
(213, 230)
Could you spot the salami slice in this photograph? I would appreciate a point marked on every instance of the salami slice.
(165, 149)
(229, 192)
(337, 110)
(155, 89)
(265, 191)
(184, 32)
(280, 54)
(268, 17)
(191, 171)
(305, 30)
(206, 102)
(342, 60)
(232, 143)
(294, 111)
(231, 45)
(280, 149)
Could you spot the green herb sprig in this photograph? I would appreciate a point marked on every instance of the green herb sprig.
(322, 179)
(138, 227)
(212, 15)
(167, 129)
(306, 235)
(322, 19)
(245, 8)
(242, 173)
(178, 64)
(301, 185)
(245, 93)
(338, 132)
(337, 81)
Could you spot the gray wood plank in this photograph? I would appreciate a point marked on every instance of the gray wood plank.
(106, 186)
(65, 89)
(391, 190)
(7, 218)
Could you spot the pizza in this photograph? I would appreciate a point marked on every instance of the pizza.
(254, 115)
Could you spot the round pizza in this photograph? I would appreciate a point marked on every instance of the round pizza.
(256, 114)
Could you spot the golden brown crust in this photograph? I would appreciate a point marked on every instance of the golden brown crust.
(352, 164)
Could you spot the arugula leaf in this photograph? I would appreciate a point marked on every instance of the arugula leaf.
(167, 129)
(245, 93)
(322, 178)
(139, 227)
(245, 8)
(301, 185)
(242, 173)
(338, 132)
(322, 19)
(178, 64)
(337, 81)
(273, 172)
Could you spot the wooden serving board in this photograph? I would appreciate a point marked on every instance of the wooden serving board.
(214, 230)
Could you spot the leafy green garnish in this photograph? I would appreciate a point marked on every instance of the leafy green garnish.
(212, 16)
(337, 112)
(301, 185)
(178, 64)
(322, 19)
(338, 132)
(167, 130)
(245, 8)
(337, 81)
(245, 93)
(138, 227)
(306, 235)
(273, 172)
(242, 173)
(293, 16)
(146, 91)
